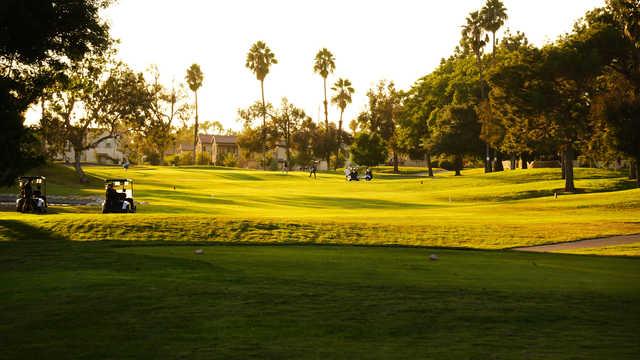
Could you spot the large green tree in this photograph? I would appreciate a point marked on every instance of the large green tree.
(382, 116)
(194, 79)
(38, 38)
(92, 104)
(259, 61)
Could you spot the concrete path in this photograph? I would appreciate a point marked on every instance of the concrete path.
(584, 244)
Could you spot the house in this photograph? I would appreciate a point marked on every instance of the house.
(212, 149)
(106, 152)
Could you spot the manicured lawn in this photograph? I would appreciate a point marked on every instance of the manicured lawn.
(142, 292)
(65, 299)
(494, 211)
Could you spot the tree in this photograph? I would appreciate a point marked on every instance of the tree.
(249, 116)
(454, 132)
(324, 65)
(194, 80)
(473, 41)
(286, 123)
(343, 92)
(165, 106)
(368, 149)
(38, 40)
(493, 16)
(381, 116)
(84, 110)
(259, 60)
(303, 141)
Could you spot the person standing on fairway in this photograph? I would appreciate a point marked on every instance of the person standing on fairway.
(313, 170)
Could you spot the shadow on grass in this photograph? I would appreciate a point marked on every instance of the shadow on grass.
(15, 230)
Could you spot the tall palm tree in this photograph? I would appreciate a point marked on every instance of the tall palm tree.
(343, 91)
(259, 60)
(194, 79)
(324, 65)
(474, 40)
(493, 16)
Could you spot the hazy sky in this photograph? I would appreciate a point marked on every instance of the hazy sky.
(399, 40)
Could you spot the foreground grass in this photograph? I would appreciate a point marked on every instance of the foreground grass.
(65, 299)
(487, 211)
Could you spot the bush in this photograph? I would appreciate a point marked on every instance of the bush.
(230, 160)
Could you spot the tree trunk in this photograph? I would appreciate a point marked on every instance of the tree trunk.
(326, 123)
(498, 161)
(513, 162)
(457, 164)
(78, 166)
(633, 173)
(523, 160)
(264, 128)
(563, 165)
(569, 154)
(395, 162)
(339, 139)
(638, 171)
(429, 168)
(195, 133)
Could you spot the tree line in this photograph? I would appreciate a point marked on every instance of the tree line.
(576, 96)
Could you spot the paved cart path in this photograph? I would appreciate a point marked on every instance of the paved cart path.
(584, 244)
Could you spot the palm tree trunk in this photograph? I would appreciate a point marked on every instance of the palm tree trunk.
(326, 123)
(487, 159)
(264, 128)
(195, 131)
(339, 138)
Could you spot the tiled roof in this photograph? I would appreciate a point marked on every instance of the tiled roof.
(226, 139)
(205, 138)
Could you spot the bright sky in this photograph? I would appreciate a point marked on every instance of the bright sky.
(399, 40)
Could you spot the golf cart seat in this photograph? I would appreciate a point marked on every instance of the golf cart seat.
(33, 194)
(118, 196)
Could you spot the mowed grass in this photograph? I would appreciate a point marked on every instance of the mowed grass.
(476, 210)
(143, 292)
(117, 300)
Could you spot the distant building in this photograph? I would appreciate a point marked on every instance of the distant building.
(106, 152)
(214, 148)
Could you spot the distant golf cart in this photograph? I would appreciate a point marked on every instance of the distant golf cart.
(118, 196)
(33, 194)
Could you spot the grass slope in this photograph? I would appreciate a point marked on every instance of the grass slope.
(489, 211)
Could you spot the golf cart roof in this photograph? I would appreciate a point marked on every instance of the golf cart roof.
(117, 180)
(32, 178)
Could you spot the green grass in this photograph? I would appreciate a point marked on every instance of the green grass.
(141, 292)
(614, 250)
(492, 211)
(65, 299)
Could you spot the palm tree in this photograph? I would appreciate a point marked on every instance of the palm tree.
(343, 91)
(474, 41)
(194, 80)
(493, 16)
(259, 60)
(324, 65)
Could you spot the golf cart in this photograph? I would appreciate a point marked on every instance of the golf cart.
(33, 194)
(119, 196)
